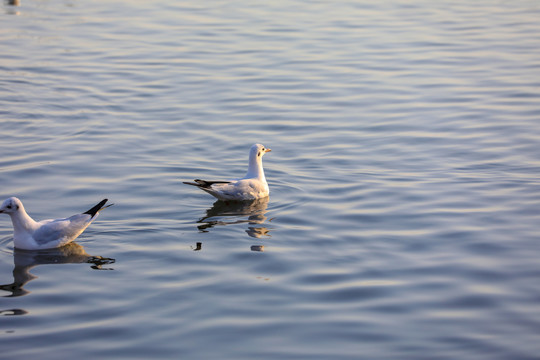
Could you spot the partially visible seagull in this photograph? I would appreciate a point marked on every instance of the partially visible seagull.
(46, 234)
(250, 187)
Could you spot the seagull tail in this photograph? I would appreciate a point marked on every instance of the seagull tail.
(204, 183)
(190, 183)
(93, 211)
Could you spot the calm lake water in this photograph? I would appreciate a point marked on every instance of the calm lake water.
(404, 215)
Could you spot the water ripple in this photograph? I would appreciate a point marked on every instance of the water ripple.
(402, 220)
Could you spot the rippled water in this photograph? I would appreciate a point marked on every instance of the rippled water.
(403, 219)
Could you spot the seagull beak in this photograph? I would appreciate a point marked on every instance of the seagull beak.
(267, 150)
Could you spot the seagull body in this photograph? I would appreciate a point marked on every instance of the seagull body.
(46, 234)
(250, 187)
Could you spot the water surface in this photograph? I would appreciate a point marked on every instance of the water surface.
(404, 207)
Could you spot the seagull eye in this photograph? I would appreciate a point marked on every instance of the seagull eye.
(9, 206)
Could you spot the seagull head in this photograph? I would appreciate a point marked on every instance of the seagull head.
(258, 150)
(11, 205)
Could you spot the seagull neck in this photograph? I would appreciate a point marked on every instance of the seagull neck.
(255, 168)
(22, 222)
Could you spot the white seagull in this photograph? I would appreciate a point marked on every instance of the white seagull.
(46, 234)
(250, 187)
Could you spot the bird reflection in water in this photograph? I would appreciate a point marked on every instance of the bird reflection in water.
(25, 260)
(12, 6)
(235, 212)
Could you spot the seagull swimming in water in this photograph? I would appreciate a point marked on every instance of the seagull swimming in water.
(46, 234)
(250, 187)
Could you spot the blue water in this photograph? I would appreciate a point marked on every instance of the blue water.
(404, 215)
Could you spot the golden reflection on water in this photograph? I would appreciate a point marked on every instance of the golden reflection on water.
(234, 213)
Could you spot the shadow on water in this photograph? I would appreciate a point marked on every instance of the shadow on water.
(251, 213)
(25, 260)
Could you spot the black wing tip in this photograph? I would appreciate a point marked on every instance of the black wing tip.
(190, 183)
(199, 183)
(204, 184)
(93, 211)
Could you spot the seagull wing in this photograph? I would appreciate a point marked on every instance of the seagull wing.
(61, 231)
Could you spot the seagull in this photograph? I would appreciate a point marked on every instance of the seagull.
(46, 234)
(251, 187)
